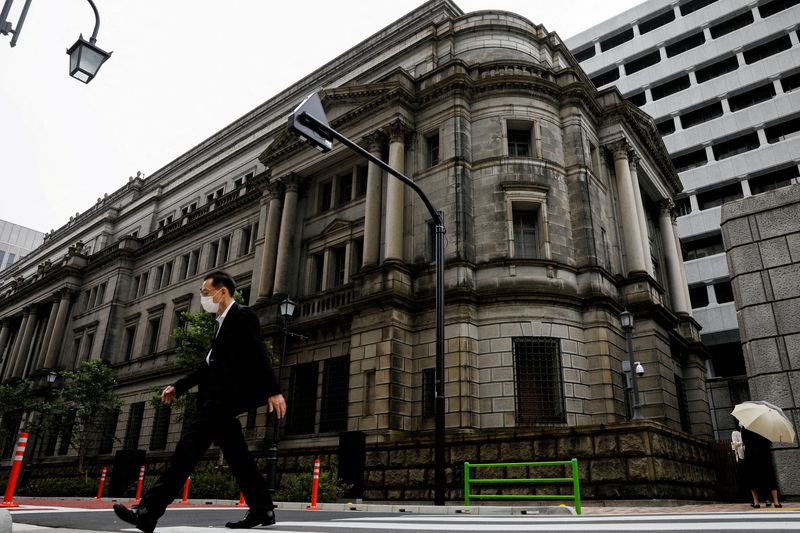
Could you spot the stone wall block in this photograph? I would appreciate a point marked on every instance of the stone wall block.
(396, 477)
(736, 232)
(544, 449)
(377, 458)
(745, 259)
(774, 252)
(516, 451)
(778, 222)
(749, 289)
(608, 470)
(631, 443)
(758, 321)
(489, 453)
(574, 446)
(416, 477)
(785, 281)
(606, 445)
(464, 453)
(787, 316)
(638, 468)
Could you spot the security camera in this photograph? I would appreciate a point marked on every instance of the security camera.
(639, 369)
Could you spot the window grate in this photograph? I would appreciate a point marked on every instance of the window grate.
(134, 426)
(109, 429)
(303, 398)
(537, 367)
(335, 387)
(158, 439)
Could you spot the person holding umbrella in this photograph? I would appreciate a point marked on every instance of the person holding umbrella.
(762, 424)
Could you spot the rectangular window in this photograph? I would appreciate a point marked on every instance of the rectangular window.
(108, 431)
(727, 360)
(718, 196)
(87, 353)
(694, 5)
(638, 99)
(666, 127)
(335, 387)
(303, 397)
(652, 23)
(11, 258)
(224, 248)
(698, 296)
(526, 234)
(782, 131)
(66, 433)
(345, 188)
(683, 404)
(50, 437)
(134, 426)
(583, 55)
(703, 247)
(690, 160)
(671, 87)
(130, 337)
(183, 267)
(768, 9)
(317, 270)
(428, 392)
(337, 260)
(641, 63)
(683, 206)
(361, 180)
(767, 49)
(167, 274)
(537, 376)
(357, 256)
(189, 410)
(731, 25)
(687, 43)
(703, 114)
(158, 438)
(519, 142)
(737, 145)
(432, 149)
(715, 70)
(246, 241)
(135, 287)
(325, 194)
(723, 291)
(153, 327)
(213, 250)
(101, 294)
(788, 83)
(773, 180)
(751, 97)
(157, 278)
(606, 77)
(194, 261)
(616, 40)
(143, 284)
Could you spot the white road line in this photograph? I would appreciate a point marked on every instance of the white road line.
(718, 517)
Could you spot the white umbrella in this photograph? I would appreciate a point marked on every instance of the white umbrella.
(765, 419)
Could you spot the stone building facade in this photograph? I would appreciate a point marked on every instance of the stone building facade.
(762, 242)
(551, 193)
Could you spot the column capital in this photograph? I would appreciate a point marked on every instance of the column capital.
(633, 158)
(374, 142)
(619, 149)
(398, 130)
(290, 181)
(666, 206)
(274, 189)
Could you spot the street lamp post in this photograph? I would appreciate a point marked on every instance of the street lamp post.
(286, 307)
(634, 367)
(85, 57)
(310, 123)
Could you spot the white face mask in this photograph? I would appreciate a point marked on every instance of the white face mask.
(208, 304)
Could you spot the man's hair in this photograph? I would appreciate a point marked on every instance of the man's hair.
(221, 279)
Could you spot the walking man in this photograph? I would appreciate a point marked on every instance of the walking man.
(236, 376)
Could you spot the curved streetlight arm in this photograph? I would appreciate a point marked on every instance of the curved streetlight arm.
(93, 38)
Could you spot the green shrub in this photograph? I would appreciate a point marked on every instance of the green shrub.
(70, 486)
(211, 482)
(297, 487)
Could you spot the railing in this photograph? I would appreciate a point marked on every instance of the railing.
(576, 490)
(325, 303)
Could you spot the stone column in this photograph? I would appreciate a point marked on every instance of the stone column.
(53, 346)
(285, 237)
(685, 285)
(627, 206)
(25, 345)
(395, 195)
(267, 278)
(12, 354)
(48, 334)
(674, 264)
(633, 160)
(372, 208)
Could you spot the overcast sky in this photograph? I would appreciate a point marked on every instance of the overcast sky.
(181, 70)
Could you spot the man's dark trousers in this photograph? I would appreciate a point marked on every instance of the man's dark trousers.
(209, 425)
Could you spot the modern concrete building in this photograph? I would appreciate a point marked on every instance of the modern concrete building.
(719, 77)
(15, 242)
(549, 238)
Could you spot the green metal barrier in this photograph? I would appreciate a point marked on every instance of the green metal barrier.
(576, 490)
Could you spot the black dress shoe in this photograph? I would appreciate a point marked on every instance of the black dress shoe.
(254, 518)
(138, 517)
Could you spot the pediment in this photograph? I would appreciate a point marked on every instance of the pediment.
(342, 105)
(336, 225)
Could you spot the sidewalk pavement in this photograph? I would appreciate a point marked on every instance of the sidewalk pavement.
(607, 507)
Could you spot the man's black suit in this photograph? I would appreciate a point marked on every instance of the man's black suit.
(239, 377)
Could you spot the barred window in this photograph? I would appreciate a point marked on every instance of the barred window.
(66, 433)
(303, 398)
(537, 369)
(189, 410)
(428, 392)
(109, 429)
(134, 426)
(335, 387)
(526, 234)
(158, 439)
